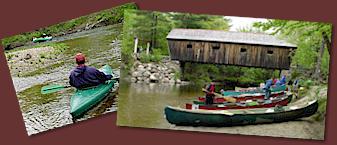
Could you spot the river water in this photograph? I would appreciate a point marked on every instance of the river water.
(43, 112)
(142, 105)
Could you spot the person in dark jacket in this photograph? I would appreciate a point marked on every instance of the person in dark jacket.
(210, 89)
(85, 76)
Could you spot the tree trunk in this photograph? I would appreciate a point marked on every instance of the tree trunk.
(136, 46)
(327, 41)
(317, 74)
(182, 67)
(153, 31)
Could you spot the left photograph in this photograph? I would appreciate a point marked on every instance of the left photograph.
(68, 72)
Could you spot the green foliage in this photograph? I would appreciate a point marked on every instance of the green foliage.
(306, 83)
(193, 21)
(256, 75)
(9, 56)
(321, 112)
(106, 17)
(32, 96)
(177, 75)
(144, 58)
(325, 64)
(59, 48)
(197, 73)
(202, 73)
(250, 29)
(308, 37)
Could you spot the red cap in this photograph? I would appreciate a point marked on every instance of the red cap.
(80, 58)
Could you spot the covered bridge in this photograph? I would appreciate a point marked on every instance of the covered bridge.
(229, 48)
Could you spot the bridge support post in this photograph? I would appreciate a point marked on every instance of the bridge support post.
(182, 68)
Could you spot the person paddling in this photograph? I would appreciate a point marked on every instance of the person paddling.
(84, 76)
(210, 90)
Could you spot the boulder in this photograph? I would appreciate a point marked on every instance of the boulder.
(135, 74)
(153, 78)
(166, 80)
(147, 80)
(149, 65)
(140, 66)
(141, 70)
(153, 70)
(28, 56)
(146, 74)
(139, 79)
(133, 80)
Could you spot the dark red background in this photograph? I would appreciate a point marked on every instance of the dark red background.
(17, 16)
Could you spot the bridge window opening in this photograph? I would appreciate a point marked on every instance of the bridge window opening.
(243, 50)
(189, 46)
(270, 52)
(216, 46)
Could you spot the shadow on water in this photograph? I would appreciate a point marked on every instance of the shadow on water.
(44, 112)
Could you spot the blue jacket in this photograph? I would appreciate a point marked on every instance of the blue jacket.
(86, 76)
(268, 84)
(283, 80)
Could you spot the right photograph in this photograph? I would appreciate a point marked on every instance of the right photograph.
(224, 74)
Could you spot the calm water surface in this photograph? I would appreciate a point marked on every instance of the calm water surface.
(142, 105)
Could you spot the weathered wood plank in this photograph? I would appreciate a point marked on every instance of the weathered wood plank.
(230, 54)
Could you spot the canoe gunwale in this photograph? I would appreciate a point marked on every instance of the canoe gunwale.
(220, 112)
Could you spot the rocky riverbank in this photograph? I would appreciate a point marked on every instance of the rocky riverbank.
(165, 71)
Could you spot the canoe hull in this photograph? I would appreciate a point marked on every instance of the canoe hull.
(283, 101)
(85, 99)
(42, 39)
(184, 117)
(237, 93)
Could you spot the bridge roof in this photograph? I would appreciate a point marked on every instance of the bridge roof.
(227, 36)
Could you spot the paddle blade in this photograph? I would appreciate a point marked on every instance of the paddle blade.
(51, 89)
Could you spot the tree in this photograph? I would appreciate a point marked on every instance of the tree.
(194, 21)
(312, 38)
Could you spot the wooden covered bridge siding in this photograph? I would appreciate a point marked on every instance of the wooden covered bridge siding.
(229, 48)
(231, 54)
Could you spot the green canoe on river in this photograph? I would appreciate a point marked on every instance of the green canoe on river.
(84, 99)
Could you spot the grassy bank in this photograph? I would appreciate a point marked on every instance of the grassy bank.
(98, 19)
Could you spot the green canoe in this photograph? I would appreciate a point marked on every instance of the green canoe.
(84, 99)
(186, 117)
(237, 93)
(42, 39)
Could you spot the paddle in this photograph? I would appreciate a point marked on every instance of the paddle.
(229, 99)
(52, 88)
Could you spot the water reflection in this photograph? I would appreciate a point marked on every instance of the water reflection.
(142, 105)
